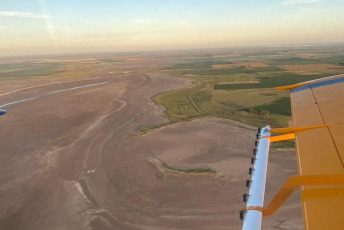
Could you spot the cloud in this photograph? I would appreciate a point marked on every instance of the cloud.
(17, 14)
(144, 21)
(313, 10)
(298, 2)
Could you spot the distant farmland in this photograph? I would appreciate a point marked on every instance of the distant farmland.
(239, 85)
(270, 82)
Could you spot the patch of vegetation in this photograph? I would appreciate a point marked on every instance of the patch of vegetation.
(260, 53)
(287, 144)
(282, 120)
(334, 60)
(192, 170)
(108, 60)
(29, 70)
(203, 55)
(244, 93)
(296, 61)
(195, 65)
(271, 82)
(304, 61)
(238, 86)
(253, 119)
(179, 108)
(145, 130)
(203, 99)
(215, 60)
(177, 103)
(280, 106)
(235, 70)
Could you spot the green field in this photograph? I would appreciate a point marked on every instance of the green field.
(271, 81)
(192, 170)
(303, 61)
(241, 92)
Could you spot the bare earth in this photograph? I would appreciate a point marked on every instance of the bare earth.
(71, 159)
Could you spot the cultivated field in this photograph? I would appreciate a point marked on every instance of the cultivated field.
(240, 87)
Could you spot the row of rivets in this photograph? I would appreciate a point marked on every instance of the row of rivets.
(245, 196)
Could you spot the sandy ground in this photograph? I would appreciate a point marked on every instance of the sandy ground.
(72, 160)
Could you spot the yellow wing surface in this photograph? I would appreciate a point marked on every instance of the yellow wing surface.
(320, 151)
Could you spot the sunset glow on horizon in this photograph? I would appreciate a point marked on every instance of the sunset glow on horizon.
(64, 26)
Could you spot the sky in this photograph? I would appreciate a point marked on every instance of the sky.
(29, 27)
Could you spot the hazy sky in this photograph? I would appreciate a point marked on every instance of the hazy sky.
(59, 26)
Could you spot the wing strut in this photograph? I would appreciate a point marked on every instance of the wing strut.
(254, 210)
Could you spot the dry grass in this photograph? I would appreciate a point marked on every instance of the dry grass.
(222, 66)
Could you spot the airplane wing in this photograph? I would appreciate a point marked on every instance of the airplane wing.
(320, 151)
(318, 129)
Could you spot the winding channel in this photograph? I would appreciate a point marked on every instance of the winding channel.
(52, 92)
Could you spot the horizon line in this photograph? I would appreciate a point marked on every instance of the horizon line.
(176, 49)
